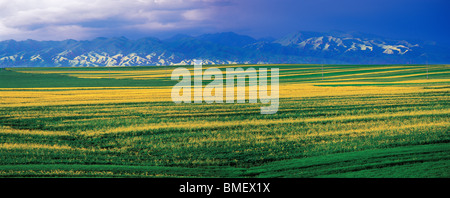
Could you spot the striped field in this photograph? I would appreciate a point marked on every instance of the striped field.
(342, 121)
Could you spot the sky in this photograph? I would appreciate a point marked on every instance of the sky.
(426, 20)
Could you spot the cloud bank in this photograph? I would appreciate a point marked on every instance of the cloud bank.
(87, 19)
(82, 19)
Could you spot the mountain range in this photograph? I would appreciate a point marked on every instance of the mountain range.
(223, 48)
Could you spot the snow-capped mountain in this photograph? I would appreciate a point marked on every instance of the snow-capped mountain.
(344, 43)
(221, 48)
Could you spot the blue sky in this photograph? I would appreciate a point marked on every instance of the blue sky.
(87, 19)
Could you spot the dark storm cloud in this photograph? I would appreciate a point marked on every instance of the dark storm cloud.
(85, 19)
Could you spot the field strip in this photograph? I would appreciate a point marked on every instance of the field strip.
(80, 88)
(82, 102)
(73, 97)
(338, 78)
(341, 163)
(349, 78)
(218, 124)
(380, 128)
(9, 130)
(157, 71)
(380, 72)
(352, 70)
(137, 75)
(124, 72)
(375, 83)
(111, 170)
(163, 73)
(386, 77)
(302, 135)
(333, 164)
(309, 90)
(17, 98)
(9, 146)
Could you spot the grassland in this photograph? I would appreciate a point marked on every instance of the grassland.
(358, 121)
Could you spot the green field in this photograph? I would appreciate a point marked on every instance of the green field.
(358, 121)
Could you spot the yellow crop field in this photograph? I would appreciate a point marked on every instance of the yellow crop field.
(122, 122)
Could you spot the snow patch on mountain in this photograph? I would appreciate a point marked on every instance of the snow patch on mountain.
(224, 48)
